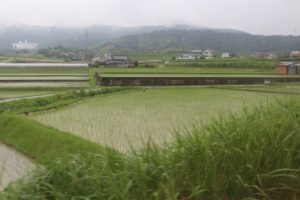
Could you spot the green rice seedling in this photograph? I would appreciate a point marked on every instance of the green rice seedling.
(129, 121)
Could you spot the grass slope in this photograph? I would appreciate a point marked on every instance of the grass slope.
(44, 144)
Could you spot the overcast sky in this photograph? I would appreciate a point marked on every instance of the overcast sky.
(254, 16)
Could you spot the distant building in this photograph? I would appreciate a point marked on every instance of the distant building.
(109, 60)
(197, 54)
(186, 56)
(25, 45)
(295, 55)
(209, 53)
(287, 68)
(225, 55)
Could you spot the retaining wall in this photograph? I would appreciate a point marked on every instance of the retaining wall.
(161, 81)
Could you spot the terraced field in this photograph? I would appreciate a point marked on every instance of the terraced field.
(43, 77)
(131, 120)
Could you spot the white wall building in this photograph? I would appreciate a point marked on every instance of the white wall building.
(186, 57)
(24, 45)
(209, 53)
(225, 55)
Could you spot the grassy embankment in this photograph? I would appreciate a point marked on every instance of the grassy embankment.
(40, 142)
(43, 144)
(253, 155)
(56, 101)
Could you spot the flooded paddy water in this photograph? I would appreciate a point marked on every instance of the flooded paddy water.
(13, 165)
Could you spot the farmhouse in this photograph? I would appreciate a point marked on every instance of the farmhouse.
(287, 68)
(209, 54)
(295, 55)
(187, 56)
(109, 60)
(197, 54)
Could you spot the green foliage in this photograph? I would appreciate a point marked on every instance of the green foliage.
(234, 42)
(253, 155)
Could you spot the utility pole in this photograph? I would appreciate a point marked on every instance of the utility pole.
(86, 45)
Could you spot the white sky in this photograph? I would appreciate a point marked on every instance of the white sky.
(254, 16)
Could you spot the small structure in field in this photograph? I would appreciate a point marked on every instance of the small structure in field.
(287, 68)
(295, 54)
(186, 56)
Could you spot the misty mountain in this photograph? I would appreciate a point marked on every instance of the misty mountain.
(218, 39)
(149, 38)
(67, 37)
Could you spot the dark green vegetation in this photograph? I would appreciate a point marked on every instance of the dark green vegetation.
(252, 155)
(221, 40)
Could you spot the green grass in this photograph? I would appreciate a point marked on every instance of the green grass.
(196, 75)
(253, 155)
(182, 70)
(43, 144)
(131, 120)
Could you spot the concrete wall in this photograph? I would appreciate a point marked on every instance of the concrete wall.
(161, 81)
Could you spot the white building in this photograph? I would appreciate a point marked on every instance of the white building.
(225, 55)
(209, 53)
(25, 45)
(186, 57)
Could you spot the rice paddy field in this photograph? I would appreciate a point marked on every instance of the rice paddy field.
(43, 77)
(13, 165)
(293, 88)
(130, 121)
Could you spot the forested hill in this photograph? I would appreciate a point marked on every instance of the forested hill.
(149, 38)
(231, 41)
(78, 37)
